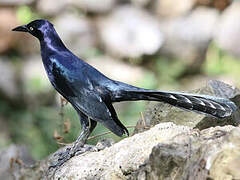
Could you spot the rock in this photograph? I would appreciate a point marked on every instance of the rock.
(118, 160)
(114, 69)
(166, 151)
(79, 35)
(227, 34)
(162, 112)
(94, 6)
(51, 7)
(8, 156)
(35, 81)
(171, 8)
(210, 154)
(195, 31)
(8, 80)
(130, 32)
(8, 20)
(15, 2)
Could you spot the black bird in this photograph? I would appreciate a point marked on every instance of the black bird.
(92, 94)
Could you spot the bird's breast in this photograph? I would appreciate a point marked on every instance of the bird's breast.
(60, 77)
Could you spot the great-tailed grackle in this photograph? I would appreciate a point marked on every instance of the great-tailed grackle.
(92, 94)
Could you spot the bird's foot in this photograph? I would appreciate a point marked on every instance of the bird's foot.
(66, 153)
(62, 156)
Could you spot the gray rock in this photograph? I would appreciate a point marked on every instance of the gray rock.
(172, 8)
(51, 7)
(130, 32)
(209, 154)
(77, 32)
(166, 151)
(120, 159)
(227, 34)
(117, 70)
(94, 6)
(188, 37)
(8, 80)
(162, 112)
(36, 86)
(15, 2)
(11, 155)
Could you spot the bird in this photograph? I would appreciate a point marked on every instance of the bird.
(92, 94)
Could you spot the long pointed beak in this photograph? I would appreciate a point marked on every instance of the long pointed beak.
(22, 28)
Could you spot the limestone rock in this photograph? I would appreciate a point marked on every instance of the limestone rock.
(120, 159)
(171, 8)
(35, 81)
(130, 32)
(228, 30)
(117, 70)
(51, 7)
(94, 6)
(8, 81)
(79, 34)
(15, 2)
(187, 37)
(212, 153)
(10, 155)
(166, 151)
(162, 112)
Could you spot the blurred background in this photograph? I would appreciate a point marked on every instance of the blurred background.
(157, 44)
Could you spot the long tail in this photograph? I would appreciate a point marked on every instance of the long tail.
(214, 106)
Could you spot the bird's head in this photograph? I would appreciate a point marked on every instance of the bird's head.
(37, 28)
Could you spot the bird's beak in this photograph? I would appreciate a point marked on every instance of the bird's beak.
(22, 28)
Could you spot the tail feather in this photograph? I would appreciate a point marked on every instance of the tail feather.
(214, 106)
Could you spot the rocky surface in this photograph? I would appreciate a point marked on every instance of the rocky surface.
(227, 34)
(165, 151)
(187, 37)
(209, 154)
(79, 35)
(11, 156)
(94, 6)
(162, 112)
(15, 2)
(171, 8)
(51, 7)
(8, 80)
(117, 70)
(125, 29)
(130, 32)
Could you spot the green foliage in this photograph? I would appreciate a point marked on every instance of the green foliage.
(219, 62)
(25, 14)
(36, 85)
(168, 70)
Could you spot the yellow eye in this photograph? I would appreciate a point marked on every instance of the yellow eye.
(31, 28)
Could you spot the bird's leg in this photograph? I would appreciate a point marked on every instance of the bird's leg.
(78, 146)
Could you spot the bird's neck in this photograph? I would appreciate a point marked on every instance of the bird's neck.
(52, 42)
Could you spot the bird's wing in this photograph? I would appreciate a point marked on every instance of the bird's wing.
(82, 93)
(91, 104)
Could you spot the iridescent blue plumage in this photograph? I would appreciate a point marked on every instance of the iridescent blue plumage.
(92, 94)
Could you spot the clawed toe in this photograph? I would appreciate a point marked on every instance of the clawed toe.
(60, 158)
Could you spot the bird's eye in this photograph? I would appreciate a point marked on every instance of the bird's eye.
(31, 28)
